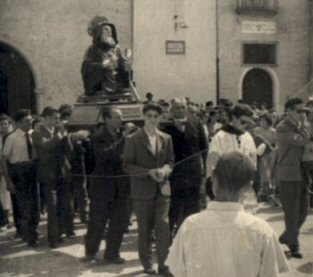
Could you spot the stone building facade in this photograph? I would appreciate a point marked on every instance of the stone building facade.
(256, 50)
(50, 36)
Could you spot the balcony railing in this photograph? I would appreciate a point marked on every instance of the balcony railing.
(264, 7)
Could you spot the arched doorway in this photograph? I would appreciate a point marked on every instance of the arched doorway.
(17, 83)
(257, 87)
(3, 92)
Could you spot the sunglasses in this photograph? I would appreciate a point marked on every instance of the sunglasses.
(301, 111)
(243, 122)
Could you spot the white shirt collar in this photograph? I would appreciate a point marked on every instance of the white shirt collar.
(20, 131)
(225, 206)
(149, 134)
(181, 119)
(51, 131)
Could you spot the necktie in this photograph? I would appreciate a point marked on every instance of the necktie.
(29, 147)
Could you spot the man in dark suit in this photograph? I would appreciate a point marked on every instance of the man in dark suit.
(292, 135)
(149, 158)
(109, 190)
(190, 145)
(52, 147)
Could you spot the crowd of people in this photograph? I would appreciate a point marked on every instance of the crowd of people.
(166, 171)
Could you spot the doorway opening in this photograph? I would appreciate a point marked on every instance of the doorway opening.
(17, 82)
(257, 88)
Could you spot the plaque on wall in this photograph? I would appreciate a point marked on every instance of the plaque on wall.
(258, 27)
(175, 47)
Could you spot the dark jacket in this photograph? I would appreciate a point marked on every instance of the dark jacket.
(105, 180)
(139, 159)
(291, 140)
(190, 166)
(52, 153)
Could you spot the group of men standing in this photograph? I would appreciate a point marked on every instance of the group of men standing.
(160, 167)
(152, 161)
(43, 158)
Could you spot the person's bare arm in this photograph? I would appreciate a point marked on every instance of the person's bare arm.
(7, 177)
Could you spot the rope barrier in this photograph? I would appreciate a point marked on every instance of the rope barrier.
(139, 174)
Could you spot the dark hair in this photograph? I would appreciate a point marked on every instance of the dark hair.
(163, 103)
(152, 107)
(309, 103)
(242, 109)
(233, 171)
(209, 103)
(4, 117)
(211, 114)
(292, 103)
(19, 115)
(37, 120)
(106, 112)
(267, 117)
(66, 113)
(225, 102)
(49, 111)
(65, 110)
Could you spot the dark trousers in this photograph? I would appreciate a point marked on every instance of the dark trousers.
(152, 214)
(184, 202)
(16, 214)
(2, 216)
(80, 195)
(59, 208)
(294, 199)
(103, 209)
(26, 192)
(42, 195)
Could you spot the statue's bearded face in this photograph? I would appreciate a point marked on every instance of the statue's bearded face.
(106, 35)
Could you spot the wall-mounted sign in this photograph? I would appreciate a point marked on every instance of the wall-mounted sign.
(258, 27)
(175, 47)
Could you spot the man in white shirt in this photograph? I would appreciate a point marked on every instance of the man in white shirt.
(233, 137)
(20, 173)
(224, 240)
(5, 199)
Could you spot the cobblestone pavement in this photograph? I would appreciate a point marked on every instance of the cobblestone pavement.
(16, 259)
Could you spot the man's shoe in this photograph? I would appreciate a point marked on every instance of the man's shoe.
(18, 235)
(60, 240)
(53, 245)
(282, 240)
(90, 260)
(117, 260)
(32, 244)
(164, 271)
(84, 221)
(149, 270)
(295, 253)
(71, 234)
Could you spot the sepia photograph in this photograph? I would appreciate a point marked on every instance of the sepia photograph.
(156, 138)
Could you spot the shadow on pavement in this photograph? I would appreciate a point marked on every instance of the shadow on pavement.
(275, 218)
(269, 210)
(307, 232)
(40, 264)
(306, 268)
(115, 269)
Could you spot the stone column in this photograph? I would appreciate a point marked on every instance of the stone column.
(39, 94)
